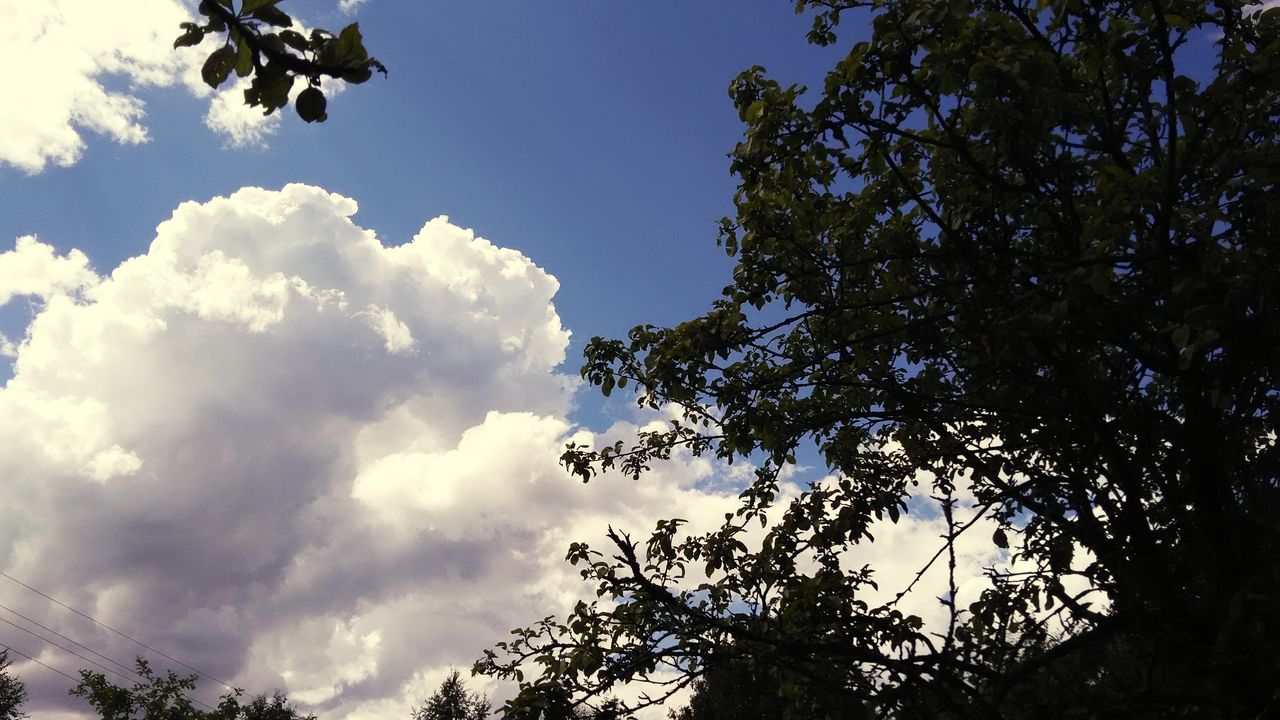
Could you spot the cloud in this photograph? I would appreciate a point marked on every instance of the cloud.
(349, 6)
(60, 54)
(295, 457)
(246, 127)
(241, 125)
(78, 66)
(32, 268)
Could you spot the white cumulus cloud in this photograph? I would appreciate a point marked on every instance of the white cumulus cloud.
(81, 66)
(296, 457)
(61, 54)
(34, 268)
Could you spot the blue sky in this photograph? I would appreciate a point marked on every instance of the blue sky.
(591, 136)
(299, 457)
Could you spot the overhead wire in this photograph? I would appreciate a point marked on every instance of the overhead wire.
(45, 639)
(50, 667)
(71, 640)
(136, 677)
(131, 639)
(66, 649)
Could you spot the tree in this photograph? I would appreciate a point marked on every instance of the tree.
(260, 43)
(453, 702)
(545, 702)
(261, 707)
(152, 697)
(12, 691)
(1021, 251)
(168, 697)
(740, 687)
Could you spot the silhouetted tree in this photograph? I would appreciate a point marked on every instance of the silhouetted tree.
(12, 692)
(168, 697)
(1027, 246)
(261, 707)
(550, 703)
(453, 702)
(735, 686)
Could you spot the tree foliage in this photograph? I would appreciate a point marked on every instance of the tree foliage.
(260, 43)
(741, 687)
(551, 702)
(453, 702)
(168, 697)
(261, 707)
(13, 693)
(1023, 249)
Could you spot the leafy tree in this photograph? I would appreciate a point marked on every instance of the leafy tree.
(261, 43)
(261, 707)
(152, 697)
(556, 703)
(1027, 246)
(741, 687)
(453, 702)
(12, 692)
(168, 697)
(542, 702)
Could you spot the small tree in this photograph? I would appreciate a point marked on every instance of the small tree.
(453, 702)
(556, 703)
(12, 692)
(153, 697)
(168, 697)
(262, 707)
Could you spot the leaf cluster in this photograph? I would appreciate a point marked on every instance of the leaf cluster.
(260, 43)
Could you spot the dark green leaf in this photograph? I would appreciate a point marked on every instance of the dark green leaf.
(189, 38)
(244, 60)
(269, 89)
(270, 43)
(1181, 335)
(357, 75)
(218, 65)
(350, 47)
(273, 15)
(208, 9)
(295, 40)
(249, 7)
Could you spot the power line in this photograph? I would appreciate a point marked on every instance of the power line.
(6, 647)
(75, 642)
(194, 700)
(88, 660)
(65, 649)
(133, 640)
